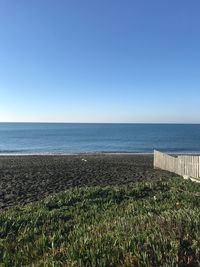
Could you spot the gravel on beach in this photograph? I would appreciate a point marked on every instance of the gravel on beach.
(24, 179)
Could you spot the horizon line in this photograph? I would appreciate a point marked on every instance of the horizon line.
(54, 122)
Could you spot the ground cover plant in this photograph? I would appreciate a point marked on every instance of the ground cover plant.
(142, 224)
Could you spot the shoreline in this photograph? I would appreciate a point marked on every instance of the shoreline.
(46, 154)
(75, 154)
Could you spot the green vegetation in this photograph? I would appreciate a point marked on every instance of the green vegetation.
(143, 224)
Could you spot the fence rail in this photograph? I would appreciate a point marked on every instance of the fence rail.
(187, 166)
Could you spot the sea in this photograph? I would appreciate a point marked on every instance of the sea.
(114, 138)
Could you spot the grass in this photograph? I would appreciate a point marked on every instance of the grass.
(143, 224)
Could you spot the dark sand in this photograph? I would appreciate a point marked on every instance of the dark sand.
(24, 179)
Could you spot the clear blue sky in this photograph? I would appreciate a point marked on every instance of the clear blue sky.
(100, 61)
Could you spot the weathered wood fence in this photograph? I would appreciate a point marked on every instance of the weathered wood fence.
(186, 166)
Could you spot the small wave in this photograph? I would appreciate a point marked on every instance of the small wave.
(15, 153)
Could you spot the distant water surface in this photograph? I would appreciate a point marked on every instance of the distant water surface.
(71, 138)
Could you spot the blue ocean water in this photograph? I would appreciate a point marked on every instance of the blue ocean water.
(36, 138)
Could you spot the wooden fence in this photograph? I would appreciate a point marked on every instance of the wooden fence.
(186, 166)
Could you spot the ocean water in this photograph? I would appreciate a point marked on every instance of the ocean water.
(72, 138)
